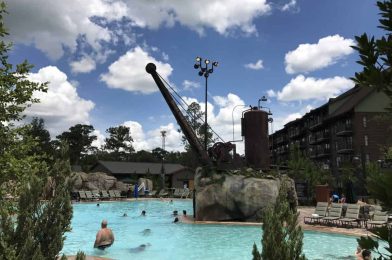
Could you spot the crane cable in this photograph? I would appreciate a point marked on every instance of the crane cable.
(187, 106)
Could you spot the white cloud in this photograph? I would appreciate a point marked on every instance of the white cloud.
(188, 85)
(100, 141)
(290, 6)
(258, 65)
(309, 57)
(280, 121)
(271, 93)
(152, 139)
(220, 15)
(54, 25)
(61, 106)
(302, 88)
(129, 73)
(84, 65)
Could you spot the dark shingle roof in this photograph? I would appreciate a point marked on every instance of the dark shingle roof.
(140, 167)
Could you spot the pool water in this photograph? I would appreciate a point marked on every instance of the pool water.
(180, 241)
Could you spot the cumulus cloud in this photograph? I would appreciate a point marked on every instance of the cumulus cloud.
(258, 65)
(61, 106)
(151, 139)
(309, 57)
(129, 73)
(302, 88)
(281, 120)
(100, 141)
(54, 25)
(84, 65)
(220, 15)
(188, 85)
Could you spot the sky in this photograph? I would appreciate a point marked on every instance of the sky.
(93, 53)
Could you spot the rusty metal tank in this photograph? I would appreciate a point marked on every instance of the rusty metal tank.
(255, 132)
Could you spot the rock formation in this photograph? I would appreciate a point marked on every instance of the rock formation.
(96, 181)
(225, 197)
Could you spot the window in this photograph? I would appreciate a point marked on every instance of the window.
(366, 140)
(364, 121)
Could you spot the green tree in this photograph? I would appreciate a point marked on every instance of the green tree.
(376, 58)
(120, 142)
(282, 236)
(302, 168)
(376, 55)
(194, 116)
(30, 227)
(79, 138)
(38, 132)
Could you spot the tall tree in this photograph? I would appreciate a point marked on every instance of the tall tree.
(282, 235)
(79, 138)
(376, 59)
(30, 227)
(38, 132)
(120, 142)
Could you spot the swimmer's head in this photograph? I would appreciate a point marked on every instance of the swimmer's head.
(104, 223)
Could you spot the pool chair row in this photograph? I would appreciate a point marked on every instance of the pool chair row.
(99, 195)
(332, 215)
(181, 193)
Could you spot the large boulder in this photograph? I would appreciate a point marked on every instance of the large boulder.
(96, 181)
(226, 197)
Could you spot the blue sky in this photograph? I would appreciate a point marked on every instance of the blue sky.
(94, 52)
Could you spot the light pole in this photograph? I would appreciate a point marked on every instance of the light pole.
(163, 134)
(232, 116)
(205, 71)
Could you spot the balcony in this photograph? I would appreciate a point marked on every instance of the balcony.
(319, 138)
(343, 130)
(345, 148)
(319, 153)
(281, 140)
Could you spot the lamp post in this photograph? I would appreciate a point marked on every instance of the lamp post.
(232, 117)
(163, 134)
(205, 70)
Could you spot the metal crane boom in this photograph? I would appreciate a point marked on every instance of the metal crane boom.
(181, 120)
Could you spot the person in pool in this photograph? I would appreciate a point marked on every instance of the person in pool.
(140, 248)
(176, 220)
(143, 213)
(105, 237)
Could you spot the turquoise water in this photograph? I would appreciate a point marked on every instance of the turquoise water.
(180, 241)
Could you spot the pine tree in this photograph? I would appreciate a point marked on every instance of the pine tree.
(30, 227)
(282, 236)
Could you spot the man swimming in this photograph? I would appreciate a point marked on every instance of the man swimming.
(105, 237)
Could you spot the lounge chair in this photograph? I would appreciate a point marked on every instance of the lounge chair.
(352, 215)
(89, 195)
(334, 214)
(380, 218)
(319, 213)
(177, 193)
(112, 194)
(82, 195)
(105, 195)
(163, 193)
(96, 194)
(152, 193)
(118, 194)
(185, 194)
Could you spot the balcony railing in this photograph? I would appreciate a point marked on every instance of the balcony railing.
(344, 129)
(344, 147)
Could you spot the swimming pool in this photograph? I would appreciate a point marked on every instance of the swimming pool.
(180, 241)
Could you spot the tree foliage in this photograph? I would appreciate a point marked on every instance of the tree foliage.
(120, 142)
(30, 227)
(376, 58)
(376, 55)
(282, 236)
(79, 138)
